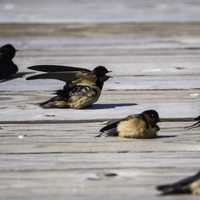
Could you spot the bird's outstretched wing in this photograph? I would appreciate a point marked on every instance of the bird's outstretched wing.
(76, 77)
(57, 68)
(182, 186)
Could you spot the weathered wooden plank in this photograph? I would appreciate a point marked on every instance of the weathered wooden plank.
(139, 66)
(133, 182)
(116, 83)
(116, 104)
(117, 35)
(144, 164)
(132, 69)
(122, 60)
(138, 30)
(85, 190)
(80, 138)
(98, 11)
(136, 182)
(139, 165)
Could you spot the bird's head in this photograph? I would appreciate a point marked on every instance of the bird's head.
(151, 116)
(8, 51)
(100, 71)
(197, 118)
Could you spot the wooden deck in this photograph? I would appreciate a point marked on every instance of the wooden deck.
(154, 55)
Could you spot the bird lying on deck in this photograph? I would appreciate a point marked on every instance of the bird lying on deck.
(189, 185)
(141, 126)
(82, 89)
(196, 124)
(7, 67)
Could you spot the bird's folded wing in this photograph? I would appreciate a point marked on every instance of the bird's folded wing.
(73, 76)
(110, 125)
(56, 68)
(178, 186)
(189, 179)
(113, 123)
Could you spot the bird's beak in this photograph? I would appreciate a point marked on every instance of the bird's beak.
(109, 71)
(16, 49)
(105, 78)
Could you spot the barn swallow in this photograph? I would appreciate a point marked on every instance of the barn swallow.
(82, 86)
(189, 185)
(7, 67)
(194, 125)
(141, 126)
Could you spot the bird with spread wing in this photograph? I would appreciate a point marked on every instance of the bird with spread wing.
(82, 86)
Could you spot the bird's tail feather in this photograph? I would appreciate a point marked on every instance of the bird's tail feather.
(110, 133)
(173, 189)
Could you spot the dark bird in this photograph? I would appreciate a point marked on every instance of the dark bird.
(189, 185)
(7, 66)
(194, 125)
(82, 86)
(143, 125)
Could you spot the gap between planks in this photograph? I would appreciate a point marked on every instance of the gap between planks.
(87, 121)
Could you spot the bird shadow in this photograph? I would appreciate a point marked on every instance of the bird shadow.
(165, 136)
(112, 105)
(15, 76)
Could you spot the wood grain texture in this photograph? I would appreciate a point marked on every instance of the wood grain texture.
(98, 11)
(153, 50)
(67, 160)
(112, 104)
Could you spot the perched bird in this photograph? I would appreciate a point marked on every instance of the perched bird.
(189, 185)
(7, 67)
(196, 124)
(82, 86)
(143, 125)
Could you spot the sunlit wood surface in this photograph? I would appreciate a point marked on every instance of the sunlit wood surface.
(153, 50)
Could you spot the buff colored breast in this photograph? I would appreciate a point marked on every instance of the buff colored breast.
(195, 187)
(135, 128)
